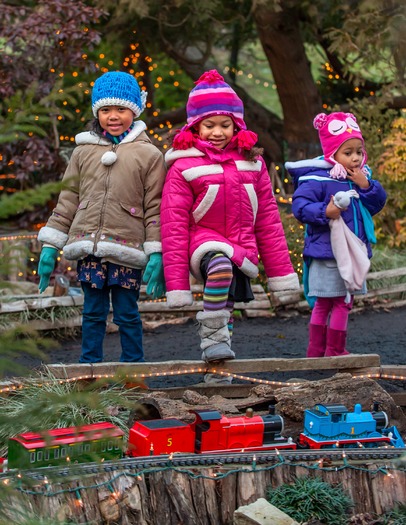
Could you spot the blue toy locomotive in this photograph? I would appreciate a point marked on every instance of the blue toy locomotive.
(334, 426)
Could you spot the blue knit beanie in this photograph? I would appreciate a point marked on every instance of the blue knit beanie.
(118, 89)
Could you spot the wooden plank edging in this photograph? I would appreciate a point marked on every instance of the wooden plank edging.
(236, 366)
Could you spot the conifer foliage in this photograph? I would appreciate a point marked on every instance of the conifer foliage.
(39, 41)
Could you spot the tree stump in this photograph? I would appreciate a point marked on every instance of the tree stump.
(198, 496)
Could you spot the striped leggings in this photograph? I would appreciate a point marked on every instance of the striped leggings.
(217, 286)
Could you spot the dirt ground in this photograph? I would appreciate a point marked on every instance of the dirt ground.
(380, 332)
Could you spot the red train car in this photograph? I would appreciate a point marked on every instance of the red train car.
(210, 432)
(160, 436)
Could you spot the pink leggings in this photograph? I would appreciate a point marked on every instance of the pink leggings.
(336, 308)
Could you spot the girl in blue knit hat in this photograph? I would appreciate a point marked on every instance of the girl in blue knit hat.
(107, 217)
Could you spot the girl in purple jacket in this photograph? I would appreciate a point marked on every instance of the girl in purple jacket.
(219, 214)
(317, 181)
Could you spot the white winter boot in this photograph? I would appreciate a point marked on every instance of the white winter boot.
(214, 335)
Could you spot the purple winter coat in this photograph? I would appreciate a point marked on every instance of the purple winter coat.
(313, 190)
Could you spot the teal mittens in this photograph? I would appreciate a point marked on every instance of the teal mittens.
(46, 266)
(154, 276)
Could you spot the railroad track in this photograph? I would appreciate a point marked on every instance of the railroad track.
(253, 460)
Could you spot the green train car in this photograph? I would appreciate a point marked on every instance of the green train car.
(95, 442)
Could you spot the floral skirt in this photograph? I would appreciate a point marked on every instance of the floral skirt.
(99, 274)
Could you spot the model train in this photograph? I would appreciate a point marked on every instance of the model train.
(325, 426)
(328, 426)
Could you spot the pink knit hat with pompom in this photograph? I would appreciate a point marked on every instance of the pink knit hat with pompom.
(334, 130)
(213, 96)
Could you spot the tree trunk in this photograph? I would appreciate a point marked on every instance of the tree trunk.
(281, 40)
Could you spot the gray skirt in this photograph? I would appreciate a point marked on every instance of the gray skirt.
(325, 280)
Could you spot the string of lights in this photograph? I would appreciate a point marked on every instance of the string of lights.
(187, 371)
(18, 237)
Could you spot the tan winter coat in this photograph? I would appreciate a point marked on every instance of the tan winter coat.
(110, 208)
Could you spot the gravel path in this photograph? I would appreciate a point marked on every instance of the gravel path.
(380, 332)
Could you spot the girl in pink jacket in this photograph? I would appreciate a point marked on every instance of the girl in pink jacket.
(219, 214)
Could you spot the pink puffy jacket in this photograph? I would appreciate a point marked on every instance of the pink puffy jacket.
(214, 200)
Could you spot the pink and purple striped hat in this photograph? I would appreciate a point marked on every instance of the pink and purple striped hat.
(213, 96)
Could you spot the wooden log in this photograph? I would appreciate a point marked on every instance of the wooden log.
(160, 406)
(109, 508)
(386, 274)
(56, 324)
(399, 398)
(234, 391)
(242, 392)
(135, 500)
(256, 305)
(286, 297)
(246, 488)
(23, 305)
(392, 304)
(228, 491)
(389, 290)
(160, 503)
(298, 364)
(258, 313)
(211, 496)
(147, 307)
(179, 491)
(372, 372)
(199, 494)
(162, 306)
(394, 370)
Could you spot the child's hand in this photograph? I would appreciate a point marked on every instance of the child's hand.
(154, 276)
(332, 211)
(46, 266)
(357, 177)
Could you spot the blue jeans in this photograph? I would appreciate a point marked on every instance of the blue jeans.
(126, 316)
